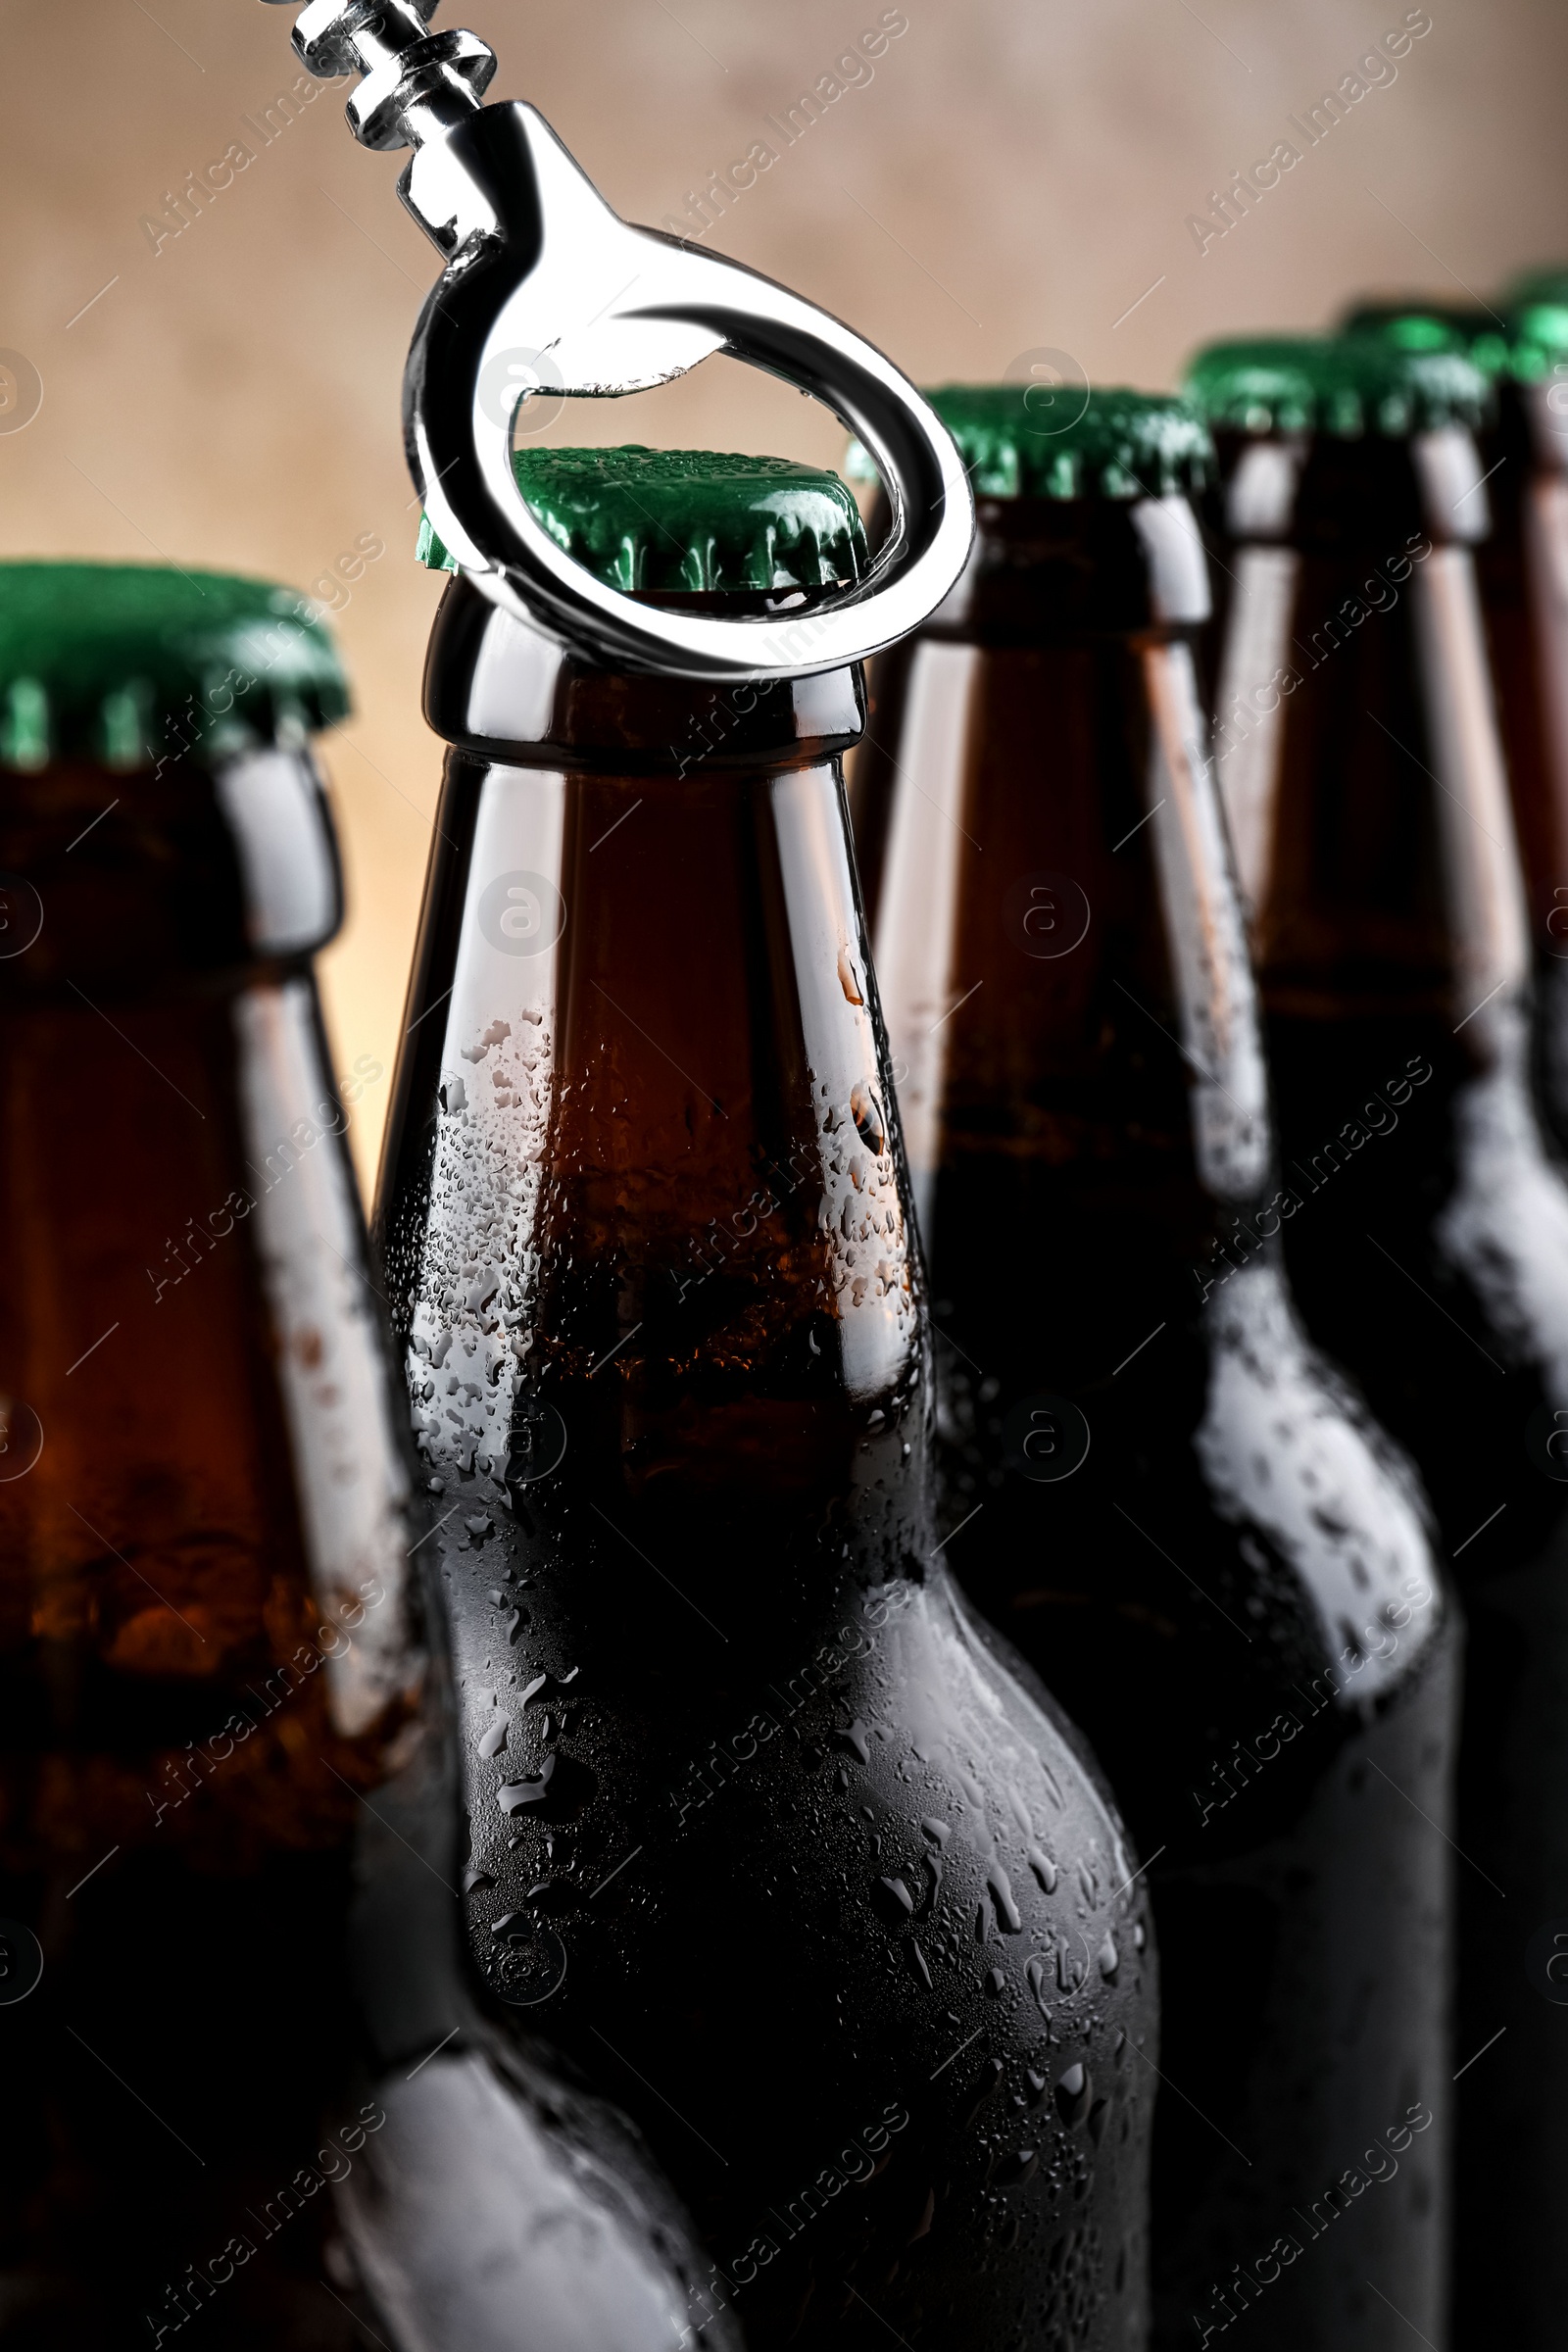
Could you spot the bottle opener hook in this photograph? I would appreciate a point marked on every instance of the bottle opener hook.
(538, 264)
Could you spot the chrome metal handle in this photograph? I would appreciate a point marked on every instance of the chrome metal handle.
(538, 262)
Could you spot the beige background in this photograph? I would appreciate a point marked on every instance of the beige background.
(1014, 176)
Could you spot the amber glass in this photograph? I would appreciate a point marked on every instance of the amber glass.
(213, 1650)
(179, 1786)
(1151, 1482)
(765, 1828)
(1430, 1245)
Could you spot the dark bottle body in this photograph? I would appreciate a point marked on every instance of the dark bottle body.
(1152, 1484)
(214, 1648)
(1430, 1248)
(765, 1830)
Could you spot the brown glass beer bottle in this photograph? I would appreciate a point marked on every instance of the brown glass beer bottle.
(248, 2098)
(1522, 577)
(1430, 1245)
(1150, 1480)
(766, 1830)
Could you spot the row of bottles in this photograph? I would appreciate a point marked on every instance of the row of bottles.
(639, 1867)
(1151, 1480)
(1398, 806)
(1142, 1458)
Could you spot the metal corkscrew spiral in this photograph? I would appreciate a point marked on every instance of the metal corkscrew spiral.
(540, 269)
(415, 79)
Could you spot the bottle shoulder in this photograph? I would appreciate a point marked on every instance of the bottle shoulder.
(869, 1831)
(1504, 1228)
(888, 1694)
(1206, 1476)
(1290, 1452)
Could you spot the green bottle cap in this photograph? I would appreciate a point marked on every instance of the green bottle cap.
(1342, 385)
(1540, 339)
(1420, 324)
(124, 664)
(1113, 443)
(692, 520)
(1546, 284)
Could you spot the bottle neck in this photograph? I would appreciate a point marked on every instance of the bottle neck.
(1522, 572)
(1057, 939)
(208, 1622)
(497, 688)
(124, 885)
(1357, 745)
(642, 1202)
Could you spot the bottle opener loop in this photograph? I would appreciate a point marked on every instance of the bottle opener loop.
(540, 269)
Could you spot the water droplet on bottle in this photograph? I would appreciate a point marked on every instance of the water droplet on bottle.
(867, 1112)
(514, 1793)
(995, 1983)
(937, 1831)
(1073, 2086)
(1018, 2166)
(983, 2088)
(892, 1900)
(1007, 1918)
(918, 1962)
(550, 1896)
(1044, 1868)
(495, 1738)
(855, 1737)
(1035, 1975)
(1109, 1957)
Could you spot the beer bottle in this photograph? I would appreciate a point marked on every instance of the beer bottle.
(767, 1828)
(249, 2098)
(1522, 577)
(1429, 1243)
(1150, 1480)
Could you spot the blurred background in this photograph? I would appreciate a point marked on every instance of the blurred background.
(214, 377)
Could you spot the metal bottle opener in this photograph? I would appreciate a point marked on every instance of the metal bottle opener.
(537, 263)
